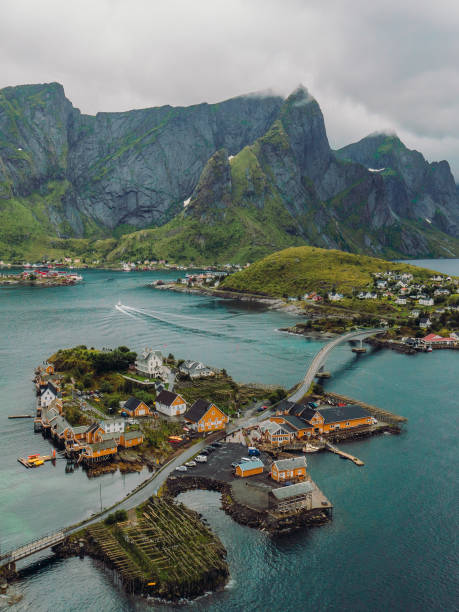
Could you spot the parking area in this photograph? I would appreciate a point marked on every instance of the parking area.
(219, 462)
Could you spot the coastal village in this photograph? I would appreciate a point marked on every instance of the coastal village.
(258, 462)
(421, 315)
(266, 448)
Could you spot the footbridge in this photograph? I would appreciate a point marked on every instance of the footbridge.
(33, 547)
(320, 358)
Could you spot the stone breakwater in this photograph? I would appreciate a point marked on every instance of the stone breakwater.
(258, 519)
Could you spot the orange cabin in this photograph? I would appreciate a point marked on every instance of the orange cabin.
(289, 469)
(136, 408)
(249, 468)
(131, 438)
(205, 416)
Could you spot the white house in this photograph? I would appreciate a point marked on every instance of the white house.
(335, 297)
(425, 301)
(49, 394)
(170, 403)
(424, 323)
(367, 296)
(113, 425)
(400, 301)
(196, 369)
(150, 363)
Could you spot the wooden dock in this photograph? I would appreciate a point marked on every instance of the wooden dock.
(30, 462)
(344, 455)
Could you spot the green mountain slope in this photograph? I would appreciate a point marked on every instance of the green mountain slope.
(297, 270)
(210, 183)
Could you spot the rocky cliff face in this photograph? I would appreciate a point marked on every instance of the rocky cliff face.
(257, 173)
(373, 197)
(415, 188)
(132, 168)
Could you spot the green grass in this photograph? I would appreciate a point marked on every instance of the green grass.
(294, 271)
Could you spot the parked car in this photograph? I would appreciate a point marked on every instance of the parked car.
(209, 449)
(190, 464)
(261, 408)
(253, 452)
(201, 459)
(181, 468)
(216, 444)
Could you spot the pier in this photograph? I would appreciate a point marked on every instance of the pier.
(337, 451)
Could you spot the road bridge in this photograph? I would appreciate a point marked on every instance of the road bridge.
(320, 358)
(151, 486)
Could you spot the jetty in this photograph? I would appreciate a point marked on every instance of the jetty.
(337, 451)
(381, 415)
(36, 460)
(21, 416)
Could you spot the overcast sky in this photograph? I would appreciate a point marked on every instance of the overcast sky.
(371, 65)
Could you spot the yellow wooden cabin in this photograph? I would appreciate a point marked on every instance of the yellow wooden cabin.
(289, 469)
(249, 468)
(205, 416)
(129, 439)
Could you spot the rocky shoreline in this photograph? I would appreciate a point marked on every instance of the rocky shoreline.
(270, 303)
(211, 575)
(399, 347)
(257, 519)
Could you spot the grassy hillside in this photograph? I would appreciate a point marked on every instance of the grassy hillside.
(294, 271)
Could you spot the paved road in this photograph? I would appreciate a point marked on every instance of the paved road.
(322, 355)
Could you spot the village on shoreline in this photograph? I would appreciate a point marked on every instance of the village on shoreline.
(417, 316)
(248, 442)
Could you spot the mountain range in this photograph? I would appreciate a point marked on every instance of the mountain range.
(222, 182)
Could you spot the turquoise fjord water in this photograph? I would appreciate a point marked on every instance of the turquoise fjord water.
(392, 543)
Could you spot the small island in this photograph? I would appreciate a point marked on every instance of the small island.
(40, 278)
(160, 549)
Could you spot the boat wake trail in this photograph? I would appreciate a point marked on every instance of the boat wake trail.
(139, 313)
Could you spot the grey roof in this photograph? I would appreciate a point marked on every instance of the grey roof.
(303, 411)
(52, 388)
(129, 435)
(290, 464)
(300, 488)
(60, 425)
(106, 436)
(285, 405)
(250, 465)
(295, 422)
(98, 446)
(198, 410)
(333, 414)
(131, 404)
(167, 397)
(80, 429)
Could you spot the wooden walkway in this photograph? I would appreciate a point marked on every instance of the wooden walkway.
(341, 453)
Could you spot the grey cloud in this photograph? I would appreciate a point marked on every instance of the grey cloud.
(391, 65)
